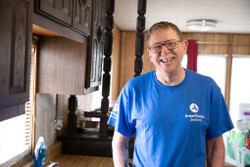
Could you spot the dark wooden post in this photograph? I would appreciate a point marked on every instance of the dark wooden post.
(109, 25)
(72, 117)
(139, 45)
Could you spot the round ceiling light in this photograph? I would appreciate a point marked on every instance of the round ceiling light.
(201, 24)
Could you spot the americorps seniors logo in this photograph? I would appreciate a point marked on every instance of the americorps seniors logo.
(194, 108)
(195, 117)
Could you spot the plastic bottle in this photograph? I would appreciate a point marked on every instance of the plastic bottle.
(39, 152)
(248, 140)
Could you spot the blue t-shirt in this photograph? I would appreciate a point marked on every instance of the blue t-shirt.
(171, 123)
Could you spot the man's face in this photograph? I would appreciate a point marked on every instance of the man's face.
(166, 60)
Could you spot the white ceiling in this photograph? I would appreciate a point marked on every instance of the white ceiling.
(232, 16)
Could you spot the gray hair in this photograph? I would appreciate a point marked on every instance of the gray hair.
(163, 25)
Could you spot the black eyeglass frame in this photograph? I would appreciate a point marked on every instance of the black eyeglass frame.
(166, 43)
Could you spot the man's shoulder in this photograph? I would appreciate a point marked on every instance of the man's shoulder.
(201, 79)
(138, 82)
(142, 78)
(198, 76)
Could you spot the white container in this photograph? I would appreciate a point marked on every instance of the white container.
(243, 107)
(246, 115)
(243, 124)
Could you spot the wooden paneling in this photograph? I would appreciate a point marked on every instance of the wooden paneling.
(147, 64)
(61, 66)
(208, 47)
(127, 57)
(223, 49)
(209, 43)
(219, 42)
(116, 62)
(242, 42)
(120, 56)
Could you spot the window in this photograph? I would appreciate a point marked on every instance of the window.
(214, 66)
(240, 87)
(14, 139)
(184, 61)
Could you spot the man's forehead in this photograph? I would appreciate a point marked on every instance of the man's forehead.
(166, 41)
(162, 35)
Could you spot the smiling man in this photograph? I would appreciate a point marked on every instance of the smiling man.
(178, 116)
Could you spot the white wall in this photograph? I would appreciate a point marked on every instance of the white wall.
(45, 116)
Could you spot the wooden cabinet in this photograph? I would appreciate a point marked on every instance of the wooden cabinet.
(87, 15)
(62, 10)
(75, 14)
(15, 48)
(82, 15)
(61, 66)
(96, 46)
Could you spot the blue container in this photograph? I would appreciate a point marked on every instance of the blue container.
(39, 160)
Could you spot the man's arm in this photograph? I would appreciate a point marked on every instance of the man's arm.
(215, 152)
(120, 149)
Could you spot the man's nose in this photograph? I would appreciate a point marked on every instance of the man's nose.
(164, 49)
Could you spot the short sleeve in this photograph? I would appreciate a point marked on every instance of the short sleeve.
(120, 116)
(220, 121)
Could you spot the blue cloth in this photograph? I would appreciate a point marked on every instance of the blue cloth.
(171, 123)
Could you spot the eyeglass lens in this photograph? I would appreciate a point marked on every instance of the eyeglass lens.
(169, 44)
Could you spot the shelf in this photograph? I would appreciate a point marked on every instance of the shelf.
(90, 143)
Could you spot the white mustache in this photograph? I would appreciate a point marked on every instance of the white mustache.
(166, 58)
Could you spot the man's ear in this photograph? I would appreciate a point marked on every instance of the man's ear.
(186, 43)
(149, 55)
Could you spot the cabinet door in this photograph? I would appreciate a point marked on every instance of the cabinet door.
(61, 66)
(96, 45)
(82, 15)
(15, 49)
(61, 10)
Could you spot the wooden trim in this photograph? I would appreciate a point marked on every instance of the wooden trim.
(221, 43)
(27, 161)
(229, 72)
(56, 28)
(40, 31)
(34, 82)
(116, 63)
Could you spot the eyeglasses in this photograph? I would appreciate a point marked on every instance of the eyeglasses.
(170, 44)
